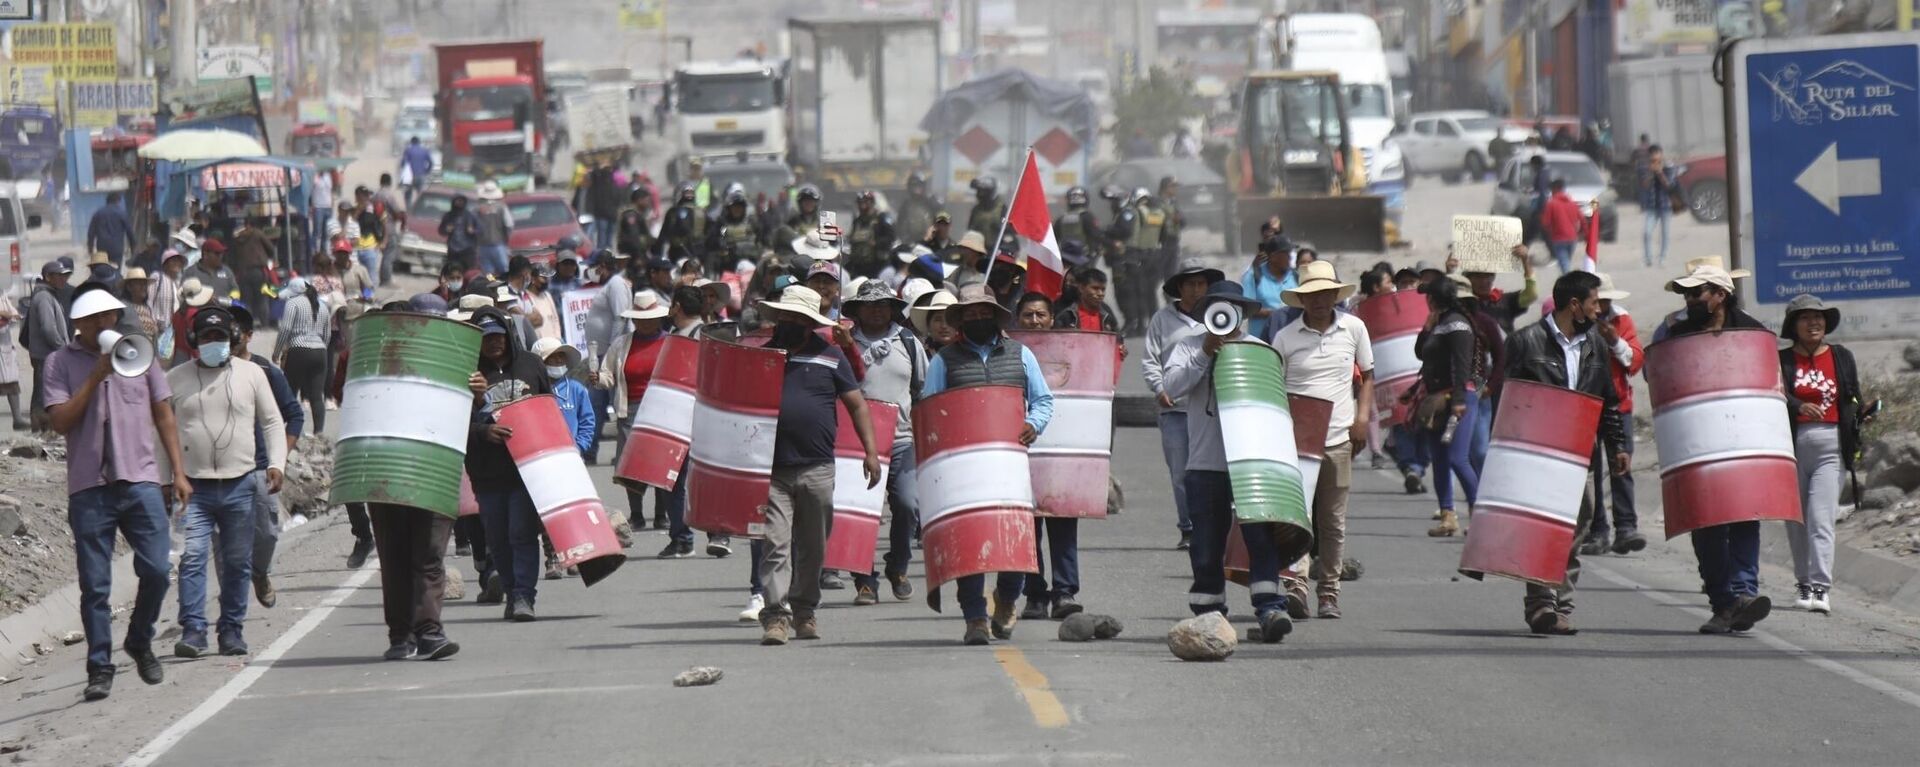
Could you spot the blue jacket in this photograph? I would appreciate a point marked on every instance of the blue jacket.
(1039, 396)
(420, 159)
(110, 231)
(578, 409)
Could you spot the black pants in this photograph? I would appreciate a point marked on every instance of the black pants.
(413, 577)
(306, 371)
(37, 404)
(1134, 285)
(358, 522)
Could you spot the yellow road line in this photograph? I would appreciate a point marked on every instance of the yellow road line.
(1047, 711)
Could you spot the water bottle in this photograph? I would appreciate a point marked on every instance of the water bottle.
(1453, 422)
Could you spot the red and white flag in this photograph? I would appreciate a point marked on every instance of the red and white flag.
(1032, 225)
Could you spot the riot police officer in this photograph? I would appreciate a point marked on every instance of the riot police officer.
(988, 209)
(914, 215)
(805, 218)
(1075, 229)
(940, 234)
(870, 238)
(736, 236)
(1169, 200)
(633, 233)
(686, 224)
(1137, 235)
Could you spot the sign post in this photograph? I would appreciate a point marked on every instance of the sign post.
(1826, 136)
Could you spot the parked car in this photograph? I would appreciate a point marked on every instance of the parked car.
(540, 219)
(1204, 198)
(1454, 143)
(1585, 183)
(1703, 184)
(14, 223)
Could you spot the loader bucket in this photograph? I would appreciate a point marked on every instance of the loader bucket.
(1331, 224)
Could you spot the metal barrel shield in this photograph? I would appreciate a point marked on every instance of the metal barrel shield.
(1720, 420)
(1533, 483)
(1393, 321)
(663, 424)
(975, 492)
(1257, 430)
(1311, 419)
(556, 478)
(856, 507)
(1072, 459)
(404, 412)
(735, 414)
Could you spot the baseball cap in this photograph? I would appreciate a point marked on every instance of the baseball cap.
(829, 268)
(213, 318)
(61, 265)
(491, 325)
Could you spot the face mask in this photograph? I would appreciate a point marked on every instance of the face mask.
(980, 332)
(789, 335)
(213, 354)
(556, 372)
(455, 285)
(1582, 326)
(1698, 312)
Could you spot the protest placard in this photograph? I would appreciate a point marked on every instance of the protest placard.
(573, 317)
(1485, 243)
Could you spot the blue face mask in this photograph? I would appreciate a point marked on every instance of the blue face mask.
(214, 354)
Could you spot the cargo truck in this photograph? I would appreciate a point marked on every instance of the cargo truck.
(491, 101)
(860, 88)
(726, 110)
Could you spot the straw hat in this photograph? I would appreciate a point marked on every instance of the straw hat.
(195, 292)
(921, 314)
(975, 295)
(1316, 277)
(545, 347)
(801, 300)
(489, 191)
(99, 257)
(1607, 291)
(973, 241)
(646, 306)
(135, 273)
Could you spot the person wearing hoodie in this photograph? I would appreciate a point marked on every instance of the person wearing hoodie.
(504, 375)
(576, 406)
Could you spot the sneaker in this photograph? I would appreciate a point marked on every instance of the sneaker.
(1802, 596)
(902, 588)
(1720, 623)
(231, 643)
(1551, 623)
(1064, 605)
(1820, 604)
(1628, 542)
(191, 644)
(1296, 608)
(719, 547)
(1002, 623)
(263, 590)
(830, 580)
(399, 651)
(775, 631)
(976, 633)
(1379, 461)
(755, 604)
(521, 611)
(1036, 609)
(1413, 483)
(1275, 626)
(435, 647)
(865, 595)
(362, 548)
(676, 550)
(491, 593)
(99, 684)
(554, 571)
(806, 628)
(1596, 544)
(1186, 541)
(1448, 527)
(148, 665)
(1749, 610)
(623, 533)
(1329, 608)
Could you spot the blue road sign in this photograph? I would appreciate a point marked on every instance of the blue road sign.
(1828, 138)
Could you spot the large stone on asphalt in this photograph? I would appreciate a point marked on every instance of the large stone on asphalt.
(1203, 638)
(698, 676)
(456, 587)
(1079, 627)
(1108, 627)
(1894, 460)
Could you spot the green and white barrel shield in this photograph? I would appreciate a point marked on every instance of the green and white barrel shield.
(404, 412)
(1250, 385)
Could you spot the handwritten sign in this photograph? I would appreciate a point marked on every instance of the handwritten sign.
(247, 175)
(1485, 243)
(573, 317)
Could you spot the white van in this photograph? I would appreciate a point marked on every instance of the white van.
(14, 223)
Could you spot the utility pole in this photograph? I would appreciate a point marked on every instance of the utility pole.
(186, 45)
(1533, 60)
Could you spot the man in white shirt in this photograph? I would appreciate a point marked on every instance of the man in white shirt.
(1169, 326)
(1329, 356)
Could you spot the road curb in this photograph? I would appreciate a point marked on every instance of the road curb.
(1893, 581)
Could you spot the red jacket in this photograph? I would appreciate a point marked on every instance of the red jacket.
(1623, 323)
(1561, 218)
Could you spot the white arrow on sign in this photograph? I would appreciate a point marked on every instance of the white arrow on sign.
(1830, 178)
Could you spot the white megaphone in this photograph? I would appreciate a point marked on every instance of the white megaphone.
(132, 355)
(1222, 318)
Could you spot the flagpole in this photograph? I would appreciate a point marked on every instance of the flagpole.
(993, 252)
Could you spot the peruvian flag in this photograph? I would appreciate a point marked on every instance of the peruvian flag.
(1032, 226)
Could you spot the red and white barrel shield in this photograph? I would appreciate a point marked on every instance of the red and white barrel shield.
(735, 414)
(1534, 480)
(1393, 321)
(1312, 417)
(1072, 458)
(974, 487)
(556, 478)
(1720, 420)
(856, 507)
(663, 425)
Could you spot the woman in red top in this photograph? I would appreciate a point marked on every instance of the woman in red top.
(625, 372)
(1823, 389)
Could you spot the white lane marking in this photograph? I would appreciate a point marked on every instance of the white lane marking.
(231, 691)
(1818, 661)
(546, 691)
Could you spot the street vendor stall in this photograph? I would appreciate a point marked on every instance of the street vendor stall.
(272, 187)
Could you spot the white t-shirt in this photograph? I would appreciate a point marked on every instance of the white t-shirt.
(1322, 365)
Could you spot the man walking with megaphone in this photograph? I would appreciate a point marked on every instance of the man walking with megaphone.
(113, 482)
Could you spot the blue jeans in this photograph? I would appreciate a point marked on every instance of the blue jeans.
(1059, 541)
(668, 504)
(1458, 456)
(513, 537)
(1173, 446)
(1624, 517)
(1729, 562)
(973, 592)
(1562, 254)
(224, 506)
(133, 510)
(1211, 493)
(493, 259)
(905, 506)
(602, 234)
(1656, 216)
(755, 552)
(369, 258)
(1483, 433)
(1409, 450)
(601, 399)
(266, 525)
